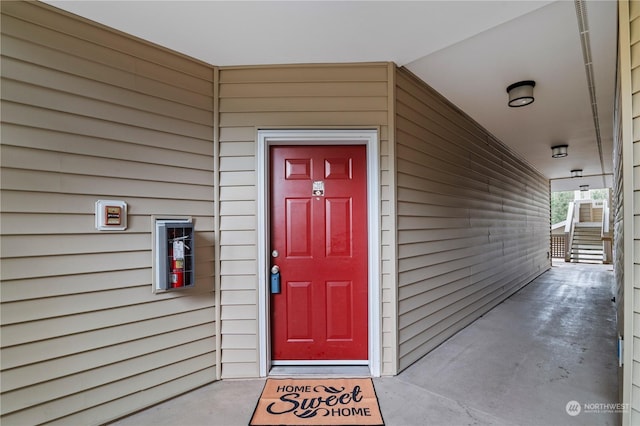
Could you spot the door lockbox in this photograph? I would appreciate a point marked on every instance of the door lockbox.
(175, 255)
(275, 280)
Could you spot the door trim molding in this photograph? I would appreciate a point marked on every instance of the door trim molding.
(367, 137)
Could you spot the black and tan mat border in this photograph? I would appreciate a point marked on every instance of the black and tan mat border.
(317, 401)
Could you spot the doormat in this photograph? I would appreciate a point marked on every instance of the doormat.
(317, 402)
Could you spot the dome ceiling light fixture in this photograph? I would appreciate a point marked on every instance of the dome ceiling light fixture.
(521, 93)
(576, 173)
(559, 151)
(584, 187)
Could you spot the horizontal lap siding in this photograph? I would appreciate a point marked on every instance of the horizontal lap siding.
(297, 96)
(617, 212)
(90, 114)
(632, 345)
(473, 220)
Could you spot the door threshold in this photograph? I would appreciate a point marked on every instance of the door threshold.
(320, 371)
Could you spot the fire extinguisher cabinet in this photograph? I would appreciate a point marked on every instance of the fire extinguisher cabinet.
(175, 254)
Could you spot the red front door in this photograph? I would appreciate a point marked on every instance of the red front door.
(319, 242)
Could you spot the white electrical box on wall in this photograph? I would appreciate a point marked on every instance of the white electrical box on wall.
(111, 215)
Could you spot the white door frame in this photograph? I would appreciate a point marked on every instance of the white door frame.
(369, 138)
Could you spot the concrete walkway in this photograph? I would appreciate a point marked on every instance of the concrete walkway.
(521, 364)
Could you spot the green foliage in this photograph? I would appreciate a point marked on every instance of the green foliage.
(559, 204)
(600, 194)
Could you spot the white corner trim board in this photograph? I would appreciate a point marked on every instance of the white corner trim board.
(367, 137)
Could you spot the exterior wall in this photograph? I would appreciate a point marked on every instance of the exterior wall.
(627, 190)
(634, 19)
(90, 114)
(473, 220)
(313, 96)
(617, 213)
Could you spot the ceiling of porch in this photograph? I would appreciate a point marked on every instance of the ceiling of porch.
(469, 51)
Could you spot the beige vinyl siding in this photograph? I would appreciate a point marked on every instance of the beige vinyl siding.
(632, 344)
(473, 220)
(617, 212)
(295, 96)
(88, 114)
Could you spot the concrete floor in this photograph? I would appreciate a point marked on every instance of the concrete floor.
(520, 364)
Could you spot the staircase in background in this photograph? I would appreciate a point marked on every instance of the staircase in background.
(587, 236)
(586, 245)
(588, 213)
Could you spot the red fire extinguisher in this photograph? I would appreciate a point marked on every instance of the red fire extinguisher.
(176, 253)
